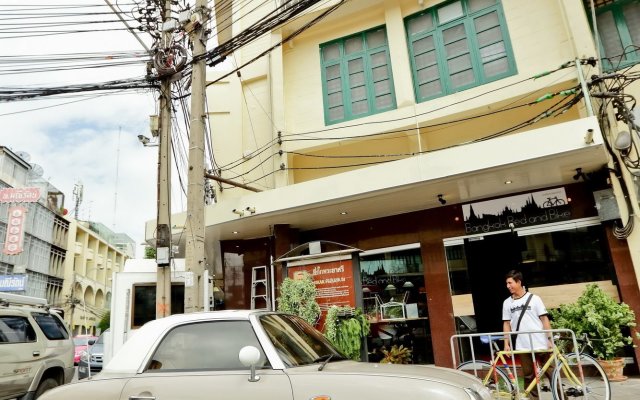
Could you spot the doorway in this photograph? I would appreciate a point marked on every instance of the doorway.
(489, 258)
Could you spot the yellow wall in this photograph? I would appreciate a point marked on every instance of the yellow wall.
(283, 92)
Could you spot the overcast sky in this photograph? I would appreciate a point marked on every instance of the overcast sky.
(92, 142)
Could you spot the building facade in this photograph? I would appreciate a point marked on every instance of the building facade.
(447, 141)
(91, 262)
(39, 266)
(65, 261)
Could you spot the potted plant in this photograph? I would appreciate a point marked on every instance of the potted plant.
(396, 355)
(298, 297)
(346, 328)
(599, 316)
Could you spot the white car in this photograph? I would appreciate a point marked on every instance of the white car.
(248, 355)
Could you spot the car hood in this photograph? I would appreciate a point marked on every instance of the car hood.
(425, 372)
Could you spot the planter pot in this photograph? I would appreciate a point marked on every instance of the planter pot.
(613, 369)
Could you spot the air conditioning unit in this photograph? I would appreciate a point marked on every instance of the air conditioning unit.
(606, 205)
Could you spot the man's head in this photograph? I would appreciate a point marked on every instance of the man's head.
(514, 282)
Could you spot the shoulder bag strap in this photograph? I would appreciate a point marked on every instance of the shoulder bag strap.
(526, 304)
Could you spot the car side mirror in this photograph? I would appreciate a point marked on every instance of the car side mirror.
(249, 357)
(91, 342)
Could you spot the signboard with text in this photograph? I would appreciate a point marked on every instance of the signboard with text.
(13, 283)
(13, 243)
(551, 205)
(19, 195)
(334, 284)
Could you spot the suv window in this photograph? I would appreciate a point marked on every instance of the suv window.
(16, 330)
(52, 327)
(206, 346)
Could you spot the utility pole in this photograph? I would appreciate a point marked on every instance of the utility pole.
(195, 262)
(163, 226)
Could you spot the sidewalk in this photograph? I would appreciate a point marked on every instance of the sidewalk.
(627, 390)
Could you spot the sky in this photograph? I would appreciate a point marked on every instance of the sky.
(93, 142)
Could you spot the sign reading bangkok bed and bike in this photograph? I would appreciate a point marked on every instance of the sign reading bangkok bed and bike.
(545, 206)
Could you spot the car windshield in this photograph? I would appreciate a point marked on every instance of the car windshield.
(296, 342)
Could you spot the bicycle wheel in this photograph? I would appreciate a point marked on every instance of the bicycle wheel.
(498, 383)
(567, 384)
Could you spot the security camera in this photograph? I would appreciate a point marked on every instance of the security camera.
(143, 139)
(239, 212)
(252, 210)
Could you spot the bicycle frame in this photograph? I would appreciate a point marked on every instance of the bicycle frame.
(499, 359)
(556, 356)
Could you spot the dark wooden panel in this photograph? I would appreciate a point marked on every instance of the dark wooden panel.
(627, 279)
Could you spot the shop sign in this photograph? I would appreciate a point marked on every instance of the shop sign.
(13, 283)
(15, 231)
(19, 195)
(334, 284)
(514, 212)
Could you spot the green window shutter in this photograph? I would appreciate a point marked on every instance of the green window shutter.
(356, 76)
(458, 57)
(619, 32)
(458, 45)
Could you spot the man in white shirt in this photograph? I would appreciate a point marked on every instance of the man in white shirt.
(533, 318)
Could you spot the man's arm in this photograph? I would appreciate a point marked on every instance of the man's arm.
(546, 325)
(506, 328)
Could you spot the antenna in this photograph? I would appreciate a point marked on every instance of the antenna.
(77, 196)
(24, 155)
(35, 172)
(115, 192)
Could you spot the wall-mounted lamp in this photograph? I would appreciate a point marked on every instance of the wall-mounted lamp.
(441, 199)
(252, 210)
(579, 174)
(623, 142)
(237, 211)
(390, 287)
(407, 284)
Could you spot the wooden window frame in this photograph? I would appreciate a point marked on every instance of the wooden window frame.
(616, 8)
(343, 59)
(467, 19)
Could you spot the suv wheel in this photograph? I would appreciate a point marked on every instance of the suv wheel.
(45, 385)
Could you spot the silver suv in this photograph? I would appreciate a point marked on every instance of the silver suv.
(36, 350)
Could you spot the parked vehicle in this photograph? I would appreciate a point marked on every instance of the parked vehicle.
(133, 294)
(36, 350)
(91, 359)
(251, 354)
(81, 342)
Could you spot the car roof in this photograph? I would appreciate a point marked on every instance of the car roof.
(130, 356)
(24, 309)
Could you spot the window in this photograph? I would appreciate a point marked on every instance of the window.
(457, 46)
(619, 32)
(206, 346)
(144, 303)
(52, 326)
(16, 330)
(356, 76)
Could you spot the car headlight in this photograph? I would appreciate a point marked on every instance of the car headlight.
(479, 393)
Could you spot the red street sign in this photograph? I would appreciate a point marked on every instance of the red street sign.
(19, 195)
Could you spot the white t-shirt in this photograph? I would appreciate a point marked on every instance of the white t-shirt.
(511, 309)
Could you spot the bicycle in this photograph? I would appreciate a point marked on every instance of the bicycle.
(553, 202)
(575, 376)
